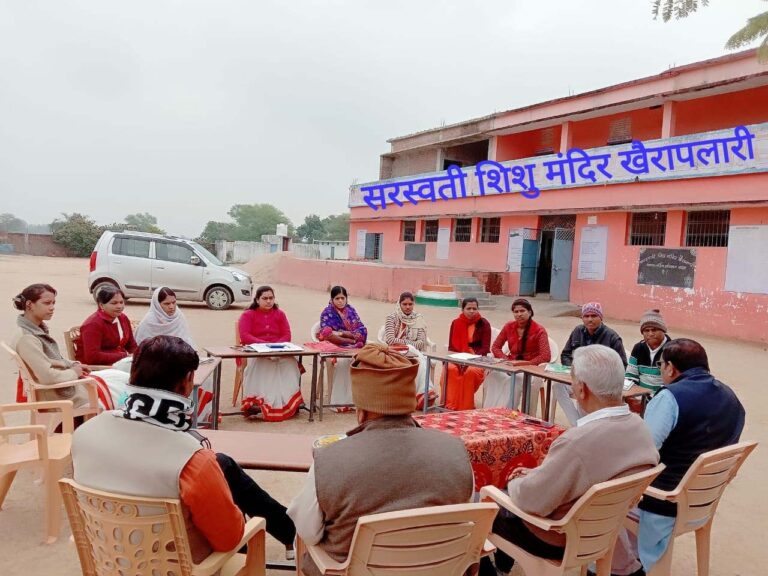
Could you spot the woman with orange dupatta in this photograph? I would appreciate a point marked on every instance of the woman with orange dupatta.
(470, 333)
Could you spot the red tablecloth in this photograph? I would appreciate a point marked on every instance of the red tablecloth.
(498, 440)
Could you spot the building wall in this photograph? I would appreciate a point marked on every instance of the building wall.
(721, 112)
(416, 162)
(34, 244)
(593, 133)
(706, 307)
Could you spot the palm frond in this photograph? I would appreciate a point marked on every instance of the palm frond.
(755, 27)
(675, 8)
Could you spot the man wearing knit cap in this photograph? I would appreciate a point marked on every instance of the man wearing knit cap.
(644, 362)
(592, 331)
(387, 463)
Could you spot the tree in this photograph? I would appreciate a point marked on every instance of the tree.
(336, 227)
(143, 222)
(255, 220)
(77, 233)
(312, 229)
(755, 28)
(217, 231)
(10, 223)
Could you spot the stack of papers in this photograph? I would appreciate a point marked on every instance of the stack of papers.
(463, 356)
(273, 347)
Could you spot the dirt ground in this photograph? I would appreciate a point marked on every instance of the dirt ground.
(737, 532)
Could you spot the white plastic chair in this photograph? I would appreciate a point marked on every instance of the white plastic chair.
(382, 339)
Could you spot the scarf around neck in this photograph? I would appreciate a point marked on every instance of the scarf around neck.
(459, 336)
(157, 407)
(410, 324)
(158, 323)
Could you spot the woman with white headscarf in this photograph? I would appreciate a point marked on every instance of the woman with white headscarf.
(164, 319)
(405, 327)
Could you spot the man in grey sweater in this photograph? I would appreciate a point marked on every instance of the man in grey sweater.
(607, 443)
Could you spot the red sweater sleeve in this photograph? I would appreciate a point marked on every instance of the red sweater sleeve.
(205, 492)
(285, 327)
(91, 336)
(498, 344)
(543, 354)
(249, 327)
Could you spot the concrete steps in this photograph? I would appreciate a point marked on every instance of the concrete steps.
(469, 286)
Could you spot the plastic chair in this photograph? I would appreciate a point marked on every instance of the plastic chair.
(71, 338)
(433, 541)
(48, 454)
(240, 364)
(120, 534)
(32, 387)
(590, 526)
(697, 496)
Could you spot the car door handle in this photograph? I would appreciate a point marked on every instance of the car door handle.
(159, 267)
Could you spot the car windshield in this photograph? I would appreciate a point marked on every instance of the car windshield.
(208, 256)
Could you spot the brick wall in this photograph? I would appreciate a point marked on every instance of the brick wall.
(33, 244)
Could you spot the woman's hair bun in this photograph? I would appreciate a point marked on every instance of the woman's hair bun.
(19, 301)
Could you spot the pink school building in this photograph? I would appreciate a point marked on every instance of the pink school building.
(647, 194)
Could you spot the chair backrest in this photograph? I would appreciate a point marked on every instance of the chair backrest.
(593, 522)
(554, 349)
(380, 335)
(703, 485)
(314, 330)
(125, 534)
(71, 338)
(24, 372)
(237, 333)
(434, 541)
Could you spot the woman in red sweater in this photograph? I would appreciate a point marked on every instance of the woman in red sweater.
(527, 344)
(270, 385)
(106, 335)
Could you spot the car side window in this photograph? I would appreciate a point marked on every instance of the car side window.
(131, 247)
(173, 252)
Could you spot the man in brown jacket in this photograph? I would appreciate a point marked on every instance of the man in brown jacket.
(387, 463)
(607, 443)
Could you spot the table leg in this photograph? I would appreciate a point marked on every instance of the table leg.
(313, 390)
(426, 385)
(444, 383)
(216, 394)
(320, 386)
(525, 404)
(513, 383)
(548, 404)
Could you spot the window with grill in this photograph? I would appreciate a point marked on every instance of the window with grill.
(130, 247)
(489, 229)
(408, 231)
(707, 228)
(647, 229)
(620, 131)
(430, 230)
(462, 229)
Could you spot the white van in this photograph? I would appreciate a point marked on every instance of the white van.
(139, 262)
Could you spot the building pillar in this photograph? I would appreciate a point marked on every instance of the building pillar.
(668, 119)
(492, 141)
(565, 136)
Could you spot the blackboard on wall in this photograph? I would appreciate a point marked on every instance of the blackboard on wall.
(416, 252)
(667, 267)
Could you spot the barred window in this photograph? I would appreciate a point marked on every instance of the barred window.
(620, 131)
(462, 229)
(489, 229)
(707, 228)
(647, 229)
(408, 231)
(430, 230)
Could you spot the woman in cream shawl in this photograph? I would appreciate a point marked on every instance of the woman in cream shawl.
(164, 319)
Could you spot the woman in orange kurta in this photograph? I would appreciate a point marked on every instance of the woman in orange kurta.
(470, 333)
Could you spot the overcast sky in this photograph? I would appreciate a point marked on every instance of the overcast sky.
(184, 108)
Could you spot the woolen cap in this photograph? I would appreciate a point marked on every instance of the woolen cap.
(384, 381)
(653, 318)
(592, 308)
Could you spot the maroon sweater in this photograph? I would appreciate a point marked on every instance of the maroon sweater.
(100, 341)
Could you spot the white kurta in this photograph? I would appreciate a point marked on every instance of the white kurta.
(276, 383)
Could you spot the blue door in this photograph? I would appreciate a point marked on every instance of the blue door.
(562, 256)
(528, 264)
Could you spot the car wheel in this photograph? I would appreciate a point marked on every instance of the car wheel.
(218, 298)
(100, 285)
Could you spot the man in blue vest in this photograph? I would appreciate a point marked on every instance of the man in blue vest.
(693, 413)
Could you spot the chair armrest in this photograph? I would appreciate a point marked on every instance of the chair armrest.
(488, 549)
(502, 499)
(89, 383)
(37, 430)
(325, 564)
(216, 560)
(65, 406)
(93, 367)
(670, 496)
